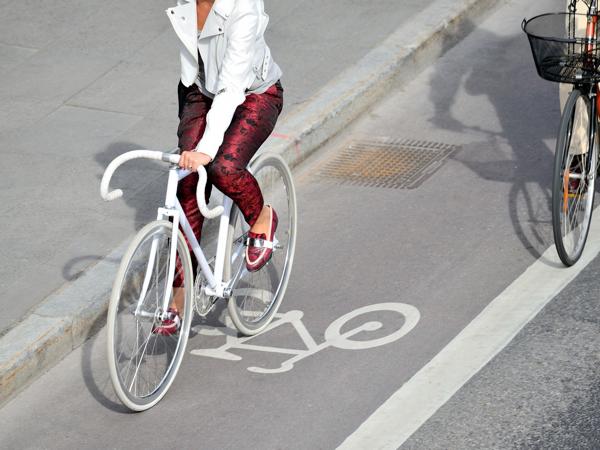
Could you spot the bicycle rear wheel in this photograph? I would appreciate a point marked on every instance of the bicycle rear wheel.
(256, 297)
(142, 363)
(574, 179)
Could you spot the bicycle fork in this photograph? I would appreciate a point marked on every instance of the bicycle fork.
(593, 130)
(161, 313)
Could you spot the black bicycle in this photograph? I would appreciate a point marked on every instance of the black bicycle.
(565, 50)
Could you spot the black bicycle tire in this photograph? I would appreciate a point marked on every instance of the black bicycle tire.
(562, 146)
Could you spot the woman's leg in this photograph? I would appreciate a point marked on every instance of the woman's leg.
(251, 125)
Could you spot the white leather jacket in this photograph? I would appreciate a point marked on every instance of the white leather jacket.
(236, 58)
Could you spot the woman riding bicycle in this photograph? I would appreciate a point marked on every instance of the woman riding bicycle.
(230, 98)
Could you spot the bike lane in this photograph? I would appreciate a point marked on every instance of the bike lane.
(444, 249)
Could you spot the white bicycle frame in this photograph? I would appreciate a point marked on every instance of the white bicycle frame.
(215, 284)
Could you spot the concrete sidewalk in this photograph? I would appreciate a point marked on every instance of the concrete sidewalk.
(80, 86)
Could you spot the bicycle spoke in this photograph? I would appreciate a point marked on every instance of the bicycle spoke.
(126, 377)
(143, 364)
(140, 360)
(257, 295)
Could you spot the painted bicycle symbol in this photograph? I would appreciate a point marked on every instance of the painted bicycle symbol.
(334, 337)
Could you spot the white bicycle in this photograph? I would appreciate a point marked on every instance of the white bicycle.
(143, 364)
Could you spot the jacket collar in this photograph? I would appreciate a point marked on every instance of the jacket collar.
(183, 20)
(224, 7)
(214, 24)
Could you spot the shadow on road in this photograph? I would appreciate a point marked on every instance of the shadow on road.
(516, 150)
(95, 374)
(143, 183)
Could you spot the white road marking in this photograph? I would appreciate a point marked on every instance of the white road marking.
(430, 388)
(333, 336)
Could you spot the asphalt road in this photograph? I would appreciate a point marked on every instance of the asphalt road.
(541, 392)
(446, 249)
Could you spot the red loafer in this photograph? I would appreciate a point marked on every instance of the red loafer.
(259, 247)
(168, 327)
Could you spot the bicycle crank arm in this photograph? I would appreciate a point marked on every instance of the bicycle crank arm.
(242, 270)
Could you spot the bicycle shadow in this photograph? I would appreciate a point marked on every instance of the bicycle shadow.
(76, 267)
(95, 373)
(141, 193)
(518, 149)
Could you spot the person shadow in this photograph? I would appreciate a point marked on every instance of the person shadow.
(144, 186)
(142, 189)
(517, 147)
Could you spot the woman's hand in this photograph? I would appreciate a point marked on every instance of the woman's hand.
(191, 160)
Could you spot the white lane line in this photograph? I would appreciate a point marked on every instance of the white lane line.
(420, 397)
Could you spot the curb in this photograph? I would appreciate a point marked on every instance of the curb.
(66, 318)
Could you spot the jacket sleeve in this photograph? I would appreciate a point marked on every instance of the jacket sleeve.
(235, 76)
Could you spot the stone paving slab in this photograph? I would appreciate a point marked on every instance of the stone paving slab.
(131, 88)
(11, 56)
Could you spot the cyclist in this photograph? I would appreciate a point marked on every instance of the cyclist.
(230, 97)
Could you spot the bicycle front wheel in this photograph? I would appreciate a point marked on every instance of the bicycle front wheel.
(574, 178)
(256, 296)
(143, 362)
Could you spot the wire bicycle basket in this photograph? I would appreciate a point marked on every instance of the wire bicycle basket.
(561, 51)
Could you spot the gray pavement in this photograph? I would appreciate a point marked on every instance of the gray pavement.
(447, 248)
(81, 83)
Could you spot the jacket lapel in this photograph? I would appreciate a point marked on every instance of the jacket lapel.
(184, 22)
(216, 18)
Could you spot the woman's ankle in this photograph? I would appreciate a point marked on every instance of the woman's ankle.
(262, 223)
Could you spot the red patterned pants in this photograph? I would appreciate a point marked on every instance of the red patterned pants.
(253, 121)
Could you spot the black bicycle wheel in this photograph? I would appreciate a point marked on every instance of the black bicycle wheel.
(574, 179)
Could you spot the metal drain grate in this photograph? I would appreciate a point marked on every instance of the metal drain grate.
(386, 163)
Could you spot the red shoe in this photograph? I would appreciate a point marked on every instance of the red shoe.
(170, 326)
(259, 249)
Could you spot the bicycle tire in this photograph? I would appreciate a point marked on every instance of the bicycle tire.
(257, 296)
(572, 201)
(163, 354)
